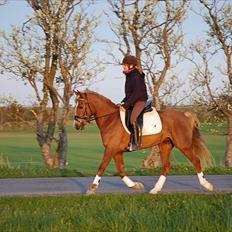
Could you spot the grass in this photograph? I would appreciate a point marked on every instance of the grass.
(34, 172)
(20, 155)
(122, 213)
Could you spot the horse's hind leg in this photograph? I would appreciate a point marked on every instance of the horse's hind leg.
(188, 152)
(118, 158)
(165, 151)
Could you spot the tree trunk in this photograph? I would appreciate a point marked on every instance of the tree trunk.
(45, 146)
(62, 147)
(228, 155)
(59, 160)
(153, 159)
(45, 151)
(45, 141)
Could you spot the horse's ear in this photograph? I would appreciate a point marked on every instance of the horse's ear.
(77, 93)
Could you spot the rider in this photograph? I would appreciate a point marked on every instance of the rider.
(136, 95)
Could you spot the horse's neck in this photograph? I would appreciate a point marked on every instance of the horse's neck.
(105, 112)
(103, 106)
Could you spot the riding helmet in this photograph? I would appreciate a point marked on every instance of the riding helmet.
(129, 59)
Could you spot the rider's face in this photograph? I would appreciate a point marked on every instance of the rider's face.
(126, 67)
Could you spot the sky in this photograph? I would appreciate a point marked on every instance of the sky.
(15, 12)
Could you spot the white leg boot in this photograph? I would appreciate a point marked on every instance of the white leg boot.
(204, 182)
(94, 185)
(128, 181)
(159, 185)
(132, 184)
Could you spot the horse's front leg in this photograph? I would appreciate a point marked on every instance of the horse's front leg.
(108, 154)
(118, 158)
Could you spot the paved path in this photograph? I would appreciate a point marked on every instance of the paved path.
(78, 185)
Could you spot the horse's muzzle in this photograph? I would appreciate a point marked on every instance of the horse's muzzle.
(78, 124)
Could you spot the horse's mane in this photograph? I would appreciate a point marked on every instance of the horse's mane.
(107, 100)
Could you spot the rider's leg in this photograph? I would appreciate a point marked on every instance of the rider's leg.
(135, 136)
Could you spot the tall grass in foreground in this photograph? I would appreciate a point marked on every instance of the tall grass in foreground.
(121, 213)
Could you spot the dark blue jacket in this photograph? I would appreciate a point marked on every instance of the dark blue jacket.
(135, 88)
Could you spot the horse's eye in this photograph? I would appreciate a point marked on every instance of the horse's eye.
(81, 107)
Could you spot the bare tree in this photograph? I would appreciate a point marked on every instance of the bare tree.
(50, 54)
(217, 15)
(152, 31)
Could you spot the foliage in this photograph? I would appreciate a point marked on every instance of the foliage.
(111, 213)
(15, 115)
(205, 113)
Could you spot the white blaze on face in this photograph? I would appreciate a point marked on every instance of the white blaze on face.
(74, 124)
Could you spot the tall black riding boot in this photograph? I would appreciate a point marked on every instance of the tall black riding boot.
(135, 140)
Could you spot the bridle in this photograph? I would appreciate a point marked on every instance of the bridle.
(92, 116)
(85, 114)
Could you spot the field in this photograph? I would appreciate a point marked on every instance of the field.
(19, 149)
(19, 156)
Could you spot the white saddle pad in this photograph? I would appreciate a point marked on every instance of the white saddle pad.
(151, 122)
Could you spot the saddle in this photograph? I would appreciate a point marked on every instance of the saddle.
(139, 121)
(149, 120)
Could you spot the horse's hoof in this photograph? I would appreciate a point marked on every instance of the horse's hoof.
(89, 192)
(138, 186)
(208, 186)
(154, 191)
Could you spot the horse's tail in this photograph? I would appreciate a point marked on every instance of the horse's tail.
(199, 147)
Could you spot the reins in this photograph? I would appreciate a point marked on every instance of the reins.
(94, 117)
(105, 115)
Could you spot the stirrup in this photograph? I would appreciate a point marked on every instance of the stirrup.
(132, 147)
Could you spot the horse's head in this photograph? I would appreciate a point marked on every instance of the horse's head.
(83, 112)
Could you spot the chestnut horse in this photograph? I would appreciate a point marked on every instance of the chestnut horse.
(179, 129)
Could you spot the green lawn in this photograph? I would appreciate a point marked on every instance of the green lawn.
(19, 148)
(118, 213)
(19, 157)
